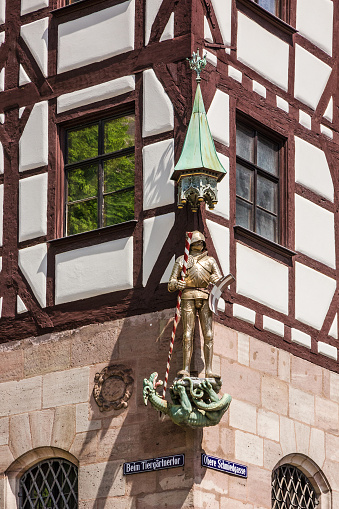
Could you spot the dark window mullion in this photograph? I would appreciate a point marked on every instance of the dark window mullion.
(118, 190)
(100, 194)
(93, 160)
(255, 182)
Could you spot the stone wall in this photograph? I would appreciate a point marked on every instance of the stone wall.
(281, 406)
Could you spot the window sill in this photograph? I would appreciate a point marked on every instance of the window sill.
(267, 20)
(114, 232)
(272, 249)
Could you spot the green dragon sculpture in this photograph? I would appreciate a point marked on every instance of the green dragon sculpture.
(200, 408)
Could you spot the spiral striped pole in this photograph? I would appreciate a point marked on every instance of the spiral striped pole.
(177, 310)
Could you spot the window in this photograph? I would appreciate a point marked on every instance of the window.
(272, 6)
(51, 484)
(292, 489)
(99, 174)
(69, 2)
(258, 182)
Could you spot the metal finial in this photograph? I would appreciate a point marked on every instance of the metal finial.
(197, 63)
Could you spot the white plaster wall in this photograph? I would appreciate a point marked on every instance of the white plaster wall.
(35, 36)
(93, 38)
(223, 11)
(33, 207)
(166, 275)
(311, 76)
(207, 31)
(211, 58)
(33, 263)
(222, 208)
(20, 306)
(96, 93)
(334, 328)
(2, 80)
(262, 279)
(262, 51)
(313, 295)
(315, 22)
(2, 11)
(218, 117)
(311, 169)
(156, 230)
(158, 163)
(23, 77)
(314, 231)
(158, 114)
(33, 144)
(151, 10)
(220, 236)
(32, 5)
(329, 110)
(168, 32)
(248, 315)
(273, 326)
(94, 270)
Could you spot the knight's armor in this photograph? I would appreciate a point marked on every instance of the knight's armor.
(201, 271)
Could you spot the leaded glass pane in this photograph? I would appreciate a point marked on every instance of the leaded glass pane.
(267, 194)
(266, 225)
(245, 143)
(50, 484)
(244, 214)
(267, 155)
(292, 490)
(244, 183)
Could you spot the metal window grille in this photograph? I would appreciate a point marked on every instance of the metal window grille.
(292, 490)
(51, 484)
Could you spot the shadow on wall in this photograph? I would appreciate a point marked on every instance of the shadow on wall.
(137, 433)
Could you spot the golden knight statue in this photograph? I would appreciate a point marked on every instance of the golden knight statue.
(201, 271)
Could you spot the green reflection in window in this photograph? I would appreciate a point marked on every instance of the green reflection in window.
(119, 207)
(82, 143)
(82, 183)
(119, 173)
(119, 133)
(82, 217)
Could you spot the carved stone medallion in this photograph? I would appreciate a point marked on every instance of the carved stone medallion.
(113, 387)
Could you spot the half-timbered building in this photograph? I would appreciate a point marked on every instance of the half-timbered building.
(95, 102)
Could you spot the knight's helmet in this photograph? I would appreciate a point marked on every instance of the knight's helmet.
(196, 236)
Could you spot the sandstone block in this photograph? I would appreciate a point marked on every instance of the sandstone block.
(87, 504)
(334, 386)
(4, 431)
(330, 470)
(317, 446)
(306, 376)
(287, 436)
(272, 454)
(205, 500)
(268, 425)
(66, 387)
(225, 341)
(240, 381)
(47, 357)
(41, 427)
(169, 499)
(101, 480)
(84, 447)
(20, 440)
(237, 488)
(95, 343)
(82, 421)
(243, 416)
(332, 448)
(227, 442)
(302, 435)
(228, 503)
(274, 394)
(301, 406)
(284, 365)
(116, 503)
(326, 414)
(211, 439)
(259, 486)
(243, 349)
(6, 458)
(249, 448)
(20, 397)
(64, 427)
(11, 365)
(117, 442)
(263, 357)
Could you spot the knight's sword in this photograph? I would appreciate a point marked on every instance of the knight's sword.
(217, 290)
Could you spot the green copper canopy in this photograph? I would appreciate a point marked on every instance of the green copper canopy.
(198, 154)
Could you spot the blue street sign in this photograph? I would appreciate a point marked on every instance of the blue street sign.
(136, 467)
(228, 467)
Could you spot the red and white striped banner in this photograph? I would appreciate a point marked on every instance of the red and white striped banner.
(177, 310)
